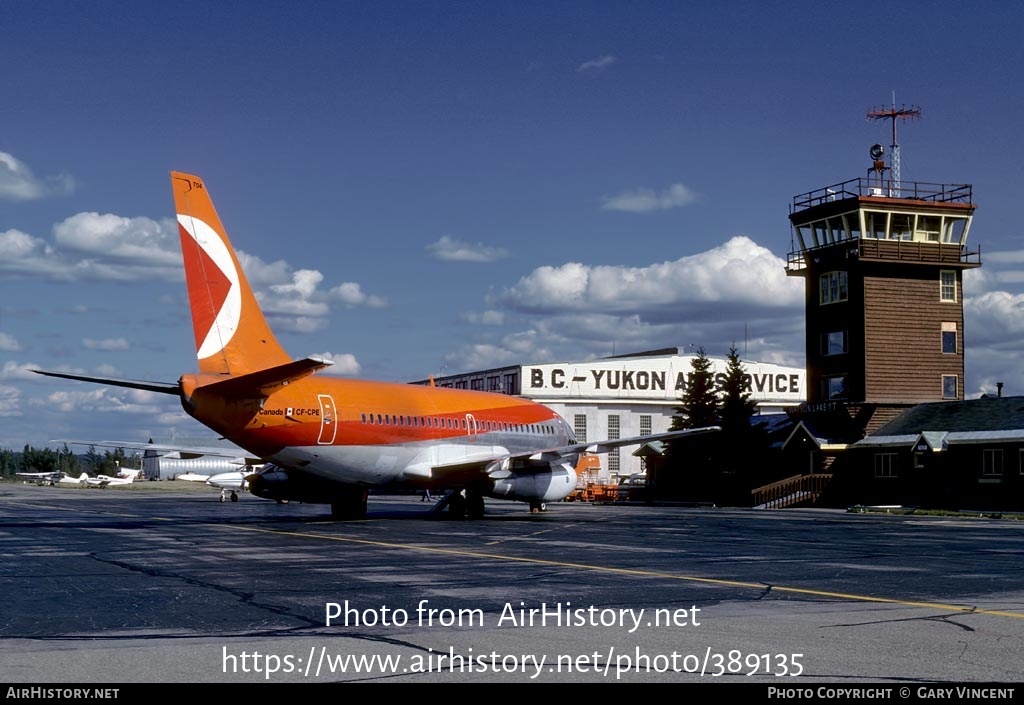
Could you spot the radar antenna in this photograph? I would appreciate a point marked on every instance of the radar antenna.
(893, 114)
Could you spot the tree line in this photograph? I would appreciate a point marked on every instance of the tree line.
(31, 459)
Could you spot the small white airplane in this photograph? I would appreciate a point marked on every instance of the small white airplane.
(191, 477)
(40, 478)
(53, 478)
(124, 477)
(230, 484)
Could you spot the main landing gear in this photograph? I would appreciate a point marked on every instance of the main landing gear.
(350, 505)
(225, 493)
(462, 504)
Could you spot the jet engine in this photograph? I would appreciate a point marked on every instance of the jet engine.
(549, 483)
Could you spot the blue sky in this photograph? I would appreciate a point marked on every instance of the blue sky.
(431, 187)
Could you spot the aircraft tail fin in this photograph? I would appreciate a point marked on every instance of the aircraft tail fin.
(232, 336)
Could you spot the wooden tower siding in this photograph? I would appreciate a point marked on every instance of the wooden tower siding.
(903, 317)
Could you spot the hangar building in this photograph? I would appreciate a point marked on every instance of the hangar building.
(626, 395)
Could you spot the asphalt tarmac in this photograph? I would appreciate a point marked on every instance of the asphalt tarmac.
(153, 585)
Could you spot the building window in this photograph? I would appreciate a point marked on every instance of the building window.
(832, 287)
(884, 464)
(494, 383)
(476, 383)
(579, 427)
(949, 387)
(899, 226)
(992, 462)
(833, 343)
(834, 387)
(645, 430)
(510, 384)
(929, 228)
(613, 433)
(949, 338)
(947, 285)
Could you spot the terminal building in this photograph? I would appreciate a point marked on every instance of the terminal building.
(881, 414)
(626, 395)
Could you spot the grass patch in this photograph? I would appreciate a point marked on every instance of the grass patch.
(954, 513)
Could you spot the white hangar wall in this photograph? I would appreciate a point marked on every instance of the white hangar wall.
(628, 396)
(636, 396)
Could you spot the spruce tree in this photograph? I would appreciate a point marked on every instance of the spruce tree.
(743, 447)
(690, 465)
(737, 407)
(699, 406)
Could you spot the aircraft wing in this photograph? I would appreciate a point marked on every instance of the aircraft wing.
(40, 478)
(499, 464)
(609, 444)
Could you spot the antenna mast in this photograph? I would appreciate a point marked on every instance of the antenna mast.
(893, 114)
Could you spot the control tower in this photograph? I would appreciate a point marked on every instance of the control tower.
(884, 264)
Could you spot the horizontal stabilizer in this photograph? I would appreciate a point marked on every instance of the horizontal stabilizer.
(159, 387)
(174, 452)
(263, 383)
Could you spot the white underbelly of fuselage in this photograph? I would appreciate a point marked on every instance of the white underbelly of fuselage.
(382, 464)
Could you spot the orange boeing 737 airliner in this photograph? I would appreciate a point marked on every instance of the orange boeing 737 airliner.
(327, 439)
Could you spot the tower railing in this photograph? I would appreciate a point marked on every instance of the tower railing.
(863, 187)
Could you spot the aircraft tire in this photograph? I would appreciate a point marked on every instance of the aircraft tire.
(349, 506)
(475, 505)
(457, 506)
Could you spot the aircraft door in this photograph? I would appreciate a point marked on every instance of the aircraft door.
(328, 427)
(471, 427)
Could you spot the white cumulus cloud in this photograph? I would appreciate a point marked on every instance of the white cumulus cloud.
(139, 240)
(10, 401)
(18, 183)
(352, 295)
(448, 248)
(345, 364)
(597, 64)
(737, 272)
(8, 343)
(648, 200)
(90, 246)
(105, 344)
(485, 318)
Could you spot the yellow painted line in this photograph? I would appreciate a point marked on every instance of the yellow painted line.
(636, 572)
